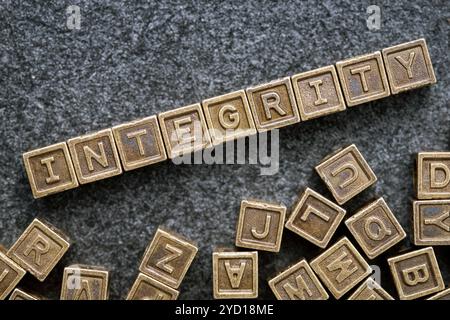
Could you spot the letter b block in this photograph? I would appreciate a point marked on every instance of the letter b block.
(433, 175)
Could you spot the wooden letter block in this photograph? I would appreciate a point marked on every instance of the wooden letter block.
(235, 275)
(431, 222)
(318, 93)
(19, 294)
(50, 170)
(346, 173)
(315, 218)
(168, 258)
(298, 283)
(370, 290)
(341, 267)
(363, 78)
(140, 143)
(416, 274)
(84, 283)
(443, 295)
(95, 156)
(39, 249)
(375, 228)
(146, 288)
(273, 105)
(433, 175)
(408, 66)
(10, 275)
(260, 225)
(228, 117)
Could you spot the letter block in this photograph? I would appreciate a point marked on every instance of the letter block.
(228, 117)
(443, 295)
(39, 248)
(273, 105)
(370, 290)
(346, 173)
(19, 294)
(363, 78)
(146, 288)
(140, 143)
(81, 282)
(95, 156)
(260, 225)
(50, 170)
(408, 66)
(315, 218)
(318, 93)
(10, 275)
(433, 175)
(235, 275)
(375, 228)
(168, 258)
(341, 267)
(416, 274)
(298, 283)
(431, 222)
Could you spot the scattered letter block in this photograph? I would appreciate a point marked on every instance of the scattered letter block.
(433, 175)
(84, 283)
(370, 290)
(432, 222)
(19, 294)
(146, 288)
(443, 295)
(10, 275)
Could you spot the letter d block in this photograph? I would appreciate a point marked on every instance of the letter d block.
(39, 249)
(433, 175)
(416, 274)
(10, 275)
(146, 288)
(84, 283)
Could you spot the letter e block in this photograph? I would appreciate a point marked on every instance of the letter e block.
(431, 222)
(433, 175)
(10, 275)
(84, 283)
(146, 288)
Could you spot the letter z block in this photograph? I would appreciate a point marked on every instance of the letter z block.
(433, 175)
(10, 275)
(82, 282)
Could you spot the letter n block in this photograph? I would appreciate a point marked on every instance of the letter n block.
(10, 275)
(433, 175)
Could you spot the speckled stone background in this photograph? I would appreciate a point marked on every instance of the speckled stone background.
(135, 59)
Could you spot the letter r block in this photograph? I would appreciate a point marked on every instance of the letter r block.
(10, 275)
(433, 175)
(82, 282)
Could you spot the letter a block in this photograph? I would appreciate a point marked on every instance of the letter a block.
(416, 274)
(146, 288)
(433, 175)
(85, 283)
(431, 222)
(10, 275)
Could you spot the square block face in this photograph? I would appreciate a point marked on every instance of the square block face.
(273, 105)
(341, 267)
(315, 218)
(408, 66)
(146, 288)
(433, 175)
(298, 283)
(370, 290)
(318, 93)
(95, 156)
(84, 283)
(432, 222)
(346, 173)
(140, 143)
(184, 130)
(363, 78)
(260, 226)
(443, 295)
(235, 275)
(50, 170)
(228, 117)
(168, 258)
(416, 274)
(375, 228)
(19, 294)
(10, 275)
(39, 249)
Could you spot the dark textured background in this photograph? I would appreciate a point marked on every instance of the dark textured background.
(133, 60)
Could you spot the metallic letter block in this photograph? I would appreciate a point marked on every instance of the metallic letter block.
(260, 225)
(273, 104)
(10, 275)
(139, 143)
(375, 228)
(318, 93)
(416, 274)
(363, 78)
(298, 283)
(39, 249)
(341, 267)
(235, 275)
(84, 283)
(443, 295)
(19, 294)
(168, 258)
(315, 218)
(408, 66)
(228, 117)
(184, 130)
(433, 175)
(346, 173)
(50, 170)
(370, 290)
(95, 156)
(432, 222)
(146, 288)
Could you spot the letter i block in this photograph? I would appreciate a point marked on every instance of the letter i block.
(146, 288)
(433, 175)
(416, 274)
(84, 283)
(341, 267)
(370, 290)
(168, 258)
(50, 170)
(10, 275)
(431, 222)
(39, 249)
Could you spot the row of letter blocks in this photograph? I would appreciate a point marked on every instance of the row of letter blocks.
(184, 130)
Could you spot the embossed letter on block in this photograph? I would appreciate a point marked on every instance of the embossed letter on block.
(432, 222)
(433, 175)
(85, 283)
